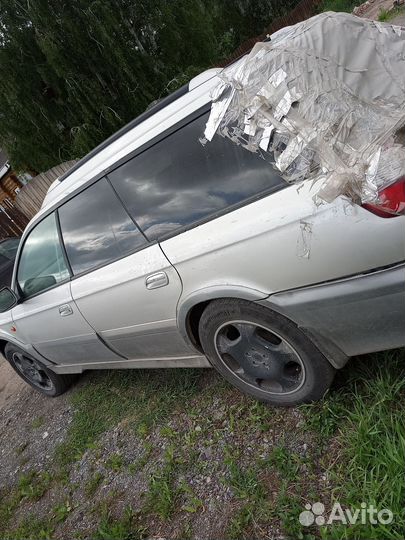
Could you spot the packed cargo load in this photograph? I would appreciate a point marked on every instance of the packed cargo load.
(323, 101)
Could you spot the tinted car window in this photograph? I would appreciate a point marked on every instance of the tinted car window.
(96, 229)
(178, 181)
(42, 264)
(8, 248)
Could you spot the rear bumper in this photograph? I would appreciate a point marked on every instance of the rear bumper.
(356, 315)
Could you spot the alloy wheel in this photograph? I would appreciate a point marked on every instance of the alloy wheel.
(260, 357)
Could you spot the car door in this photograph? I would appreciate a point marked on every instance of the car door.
(47, 317)
(123, 285)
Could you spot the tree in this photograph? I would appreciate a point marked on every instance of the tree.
(72, 73)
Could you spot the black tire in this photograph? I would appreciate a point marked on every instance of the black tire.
(36, 374)
(263, 354)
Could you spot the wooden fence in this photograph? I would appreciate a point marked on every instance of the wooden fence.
(12, 221)
(30, 197)
(301, 12)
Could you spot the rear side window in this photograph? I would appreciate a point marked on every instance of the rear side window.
(42, 264)
(178, 181)
(96, 229)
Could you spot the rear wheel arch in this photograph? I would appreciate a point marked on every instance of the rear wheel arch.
(190, 310)
(192, 320)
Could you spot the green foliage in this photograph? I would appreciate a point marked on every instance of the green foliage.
(34, 485)
(142, 397)
(163, 493)
(372, 442)
(62, 511)
(32, 527)
(31, 486)
(72, 73)
(125, 528)
(38, 422)
(340, 5)
(114, 462)
(93, 484)
(387, 15)
(384, 15)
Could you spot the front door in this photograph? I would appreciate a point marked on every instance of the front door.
(47, 316)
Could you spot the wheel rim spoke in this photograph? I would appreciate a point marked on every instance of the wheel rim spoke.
(32, 371)
(259, 357)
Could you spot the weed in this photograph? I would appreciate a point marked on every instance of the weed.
(34, 485)
(140, 463)
(193, 503)
(387, 15)
(143, 396)
(168, 432)
(93, 483)
(31, 486)
(32, 527)
(38, 422)
(163, 494)
(383, 15)
(247, 487)
(126, 528)
(286, 463)
(114, 462)
(62, 511)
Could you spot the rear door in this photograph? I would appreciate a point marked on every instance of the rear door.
(47, 317)
(122, 284)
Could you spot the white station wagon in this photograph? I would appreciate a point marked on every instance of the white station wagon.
(157, 251)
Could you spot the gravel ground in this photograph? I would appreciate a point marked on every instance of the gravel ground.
(116, 472)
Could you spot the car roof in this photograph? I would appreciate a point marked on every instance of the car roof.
(139, 131)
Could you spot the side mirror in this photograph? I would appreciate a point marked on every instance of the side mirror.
(8, 299)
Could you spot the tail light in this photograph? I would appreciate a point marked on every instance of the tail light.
(391, 201)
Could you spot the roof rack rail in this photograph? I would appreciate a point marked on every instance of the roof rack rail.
(133, 123)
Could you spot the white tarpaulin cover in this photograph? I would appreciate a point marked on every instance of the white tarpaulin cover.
(324, 101)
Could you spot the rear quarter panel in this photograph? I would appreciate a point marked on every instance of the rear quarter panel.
(282, 242)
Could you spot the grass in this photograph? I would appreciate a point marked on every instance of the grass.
(358, 442)
(38, 422)
(93, 484)
(384, 15)
(140, 463)
(372, 446)
(125, 528)
(140, 397)
(163, 493)
(387, 15)
(30, 487)
(363, 424)
(32, 527)
(115, 462)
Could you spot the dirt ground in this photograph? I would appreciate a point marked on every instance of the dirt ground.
(182, 471)
(10, 384)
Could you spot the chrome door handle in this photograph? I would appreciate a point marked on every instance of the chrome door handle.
(65, 310)
(154, 281)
